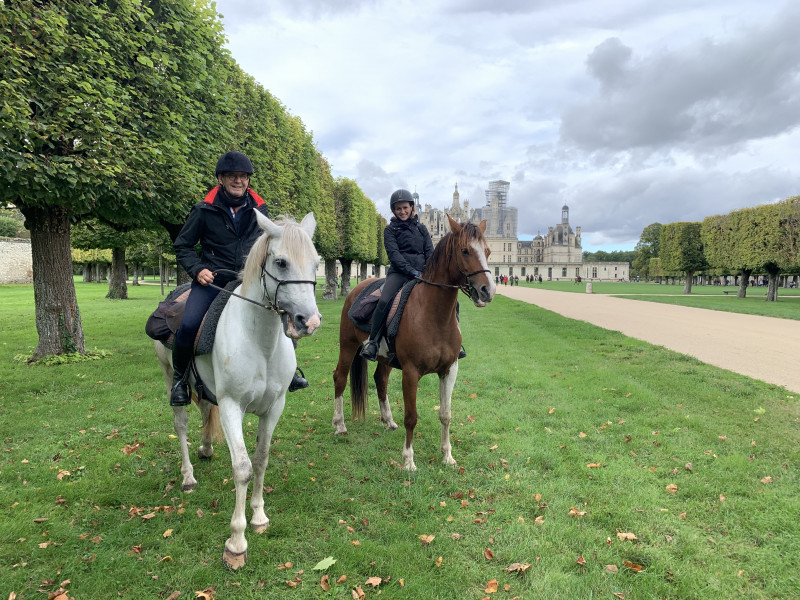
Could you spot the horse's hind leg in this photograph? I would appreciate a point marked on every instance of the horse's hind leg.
(266, 425)
(210, 431)
(339, 384)
(381, 378)
(446, 384)
(181, 422)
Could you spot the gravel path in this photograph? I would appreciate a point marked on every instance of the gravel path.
(764, 348)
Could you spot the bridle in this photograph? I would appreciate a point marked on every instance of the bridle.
(273, 305)
(465, 287)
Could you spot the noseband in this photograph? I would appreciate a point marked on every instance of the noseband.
(464, 287)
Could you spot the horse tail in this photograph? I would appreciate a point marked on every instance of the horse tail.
(212, 427)
(358, 387)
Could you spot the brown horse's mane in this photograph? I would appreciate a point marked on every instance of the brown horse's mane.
(443, 251)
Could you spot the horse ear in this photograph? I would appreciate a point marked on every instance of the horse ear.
(309, 224)
(482, 226)
(264, 223)
(454, 226)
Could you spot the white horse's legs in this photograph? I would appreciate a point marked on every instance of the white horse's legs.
(338, 415)
(446, 385)
(181, 422)
(235, 554)
(266, 425)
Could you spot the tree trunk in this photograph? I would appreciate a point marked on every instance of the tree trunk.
(117, 286)
(363, 271)
(330, 280)
(347, 265)
(773, 281)
(136, 270)
(744, 281)
(87, 272)
(58, 320)
(687, 287)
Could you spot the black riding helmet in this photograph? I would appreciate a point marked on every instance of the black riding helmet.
(400, 196)
(234, 162)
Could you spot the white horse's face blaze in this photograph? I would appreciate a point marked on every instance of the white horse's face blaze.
(290, 268)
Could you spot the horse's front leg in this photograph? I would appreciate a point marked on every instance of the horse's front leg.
(381, 378)
(235, 554)
(446, 384)
(266, 425)
(410, 386)
(180, 420)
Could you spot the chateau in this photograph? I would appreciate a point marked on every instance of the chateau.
(557, 255)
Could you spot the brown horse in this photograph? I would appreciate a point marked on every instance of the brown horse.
(428, 338)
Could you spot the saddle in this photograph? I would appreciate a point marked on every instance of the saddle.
(166, 319)
(360, 313)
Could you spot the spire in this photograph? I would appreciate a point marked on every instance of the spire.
(455, 198)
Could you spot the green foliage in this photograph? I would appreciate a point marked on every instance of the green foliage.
(64, 359)
(8, 227)
(681, 248)
(614, 256)
(357, 218)
(646, 249)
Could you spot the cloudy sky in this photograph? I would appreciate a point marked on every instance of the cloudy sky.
(629, 111)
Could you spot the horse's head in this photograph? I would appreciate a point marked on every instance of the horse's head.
(285, 261)
(471, 253)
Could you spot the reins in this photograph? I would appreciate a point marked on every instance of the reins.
(270, 305)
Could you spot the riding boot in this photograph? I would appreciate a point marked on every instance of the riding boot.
(299, 381)
(181, 358)
(370, 349)
(462, 353)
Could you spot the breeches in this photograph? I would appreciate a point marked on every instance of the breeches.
(199, 300)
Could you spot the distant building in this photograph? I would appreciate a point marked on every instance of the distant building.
(556, 256)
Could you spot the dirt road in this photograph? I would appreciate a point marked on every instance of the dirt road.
(764, 348)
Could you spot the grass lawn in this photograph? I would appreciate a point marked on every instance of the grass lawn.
(602, 466)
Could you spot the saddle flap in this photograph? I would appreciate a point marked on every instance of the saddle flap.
(175, 315)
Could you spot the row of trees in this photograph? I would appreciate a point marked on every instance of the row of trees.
(763, 240)
(113, 115)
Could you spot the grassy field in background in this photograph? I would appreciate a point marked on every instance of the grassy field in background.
(703, 296)
(604, 466)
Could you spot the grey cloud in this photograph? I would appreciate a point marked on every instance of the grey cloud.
(699, 98)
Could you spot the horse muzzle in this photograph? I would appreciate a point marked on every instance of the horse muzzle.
(482, 293)
(297, 326)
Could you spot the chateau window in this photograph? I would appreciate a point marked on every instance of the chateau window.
(564, 272)
(594, 272)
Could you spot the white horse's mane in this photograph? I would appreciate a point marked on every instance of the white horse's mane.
(295, 245)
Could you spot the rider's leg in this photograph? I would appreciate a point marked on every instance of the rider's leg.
(197, 304)
(394, 281)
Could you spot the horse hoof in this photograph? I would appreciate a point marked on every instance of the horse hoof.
(189, 487)
(340, 430)
(259, 528)
(204, 453)
(391, 426)
(234, 560)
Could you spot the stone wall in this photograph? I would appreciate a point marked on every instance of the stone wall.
(16, 263)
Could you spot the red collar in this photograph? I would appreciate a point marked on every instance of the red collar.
(209, 199)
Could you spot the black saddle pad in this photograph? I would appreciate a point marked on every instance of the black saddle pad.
(166, 319)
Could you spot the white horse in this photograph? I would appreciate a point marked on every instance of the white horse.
(252, 362)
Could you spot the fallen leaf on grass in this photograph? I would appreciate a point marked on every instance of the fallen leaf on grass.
(287, 565)
(491, 586)
(538, 520)
(517, 567)
(626, 536)
(612, 569)
(594, 465)
(358, 593)
(632, 566)
(488, 554)
(767, 479)
(62, 473)
(439, 562)
(206, 594)
(324, 583)
(342, 579)
(574, 512)
(581, 561)
(426, 539)
(325, 563)
(374, 581)
(672, 488)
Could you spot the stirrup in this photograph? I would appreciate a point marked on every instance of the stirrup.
(179, 395)
(462, 353)
(299, 381)
(370, 350)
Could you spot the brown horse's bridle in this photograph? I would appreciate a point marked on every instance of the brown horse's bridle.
(465, 287)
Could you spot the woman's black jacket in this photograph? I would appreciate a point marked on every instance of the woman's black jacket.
(408, 245)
